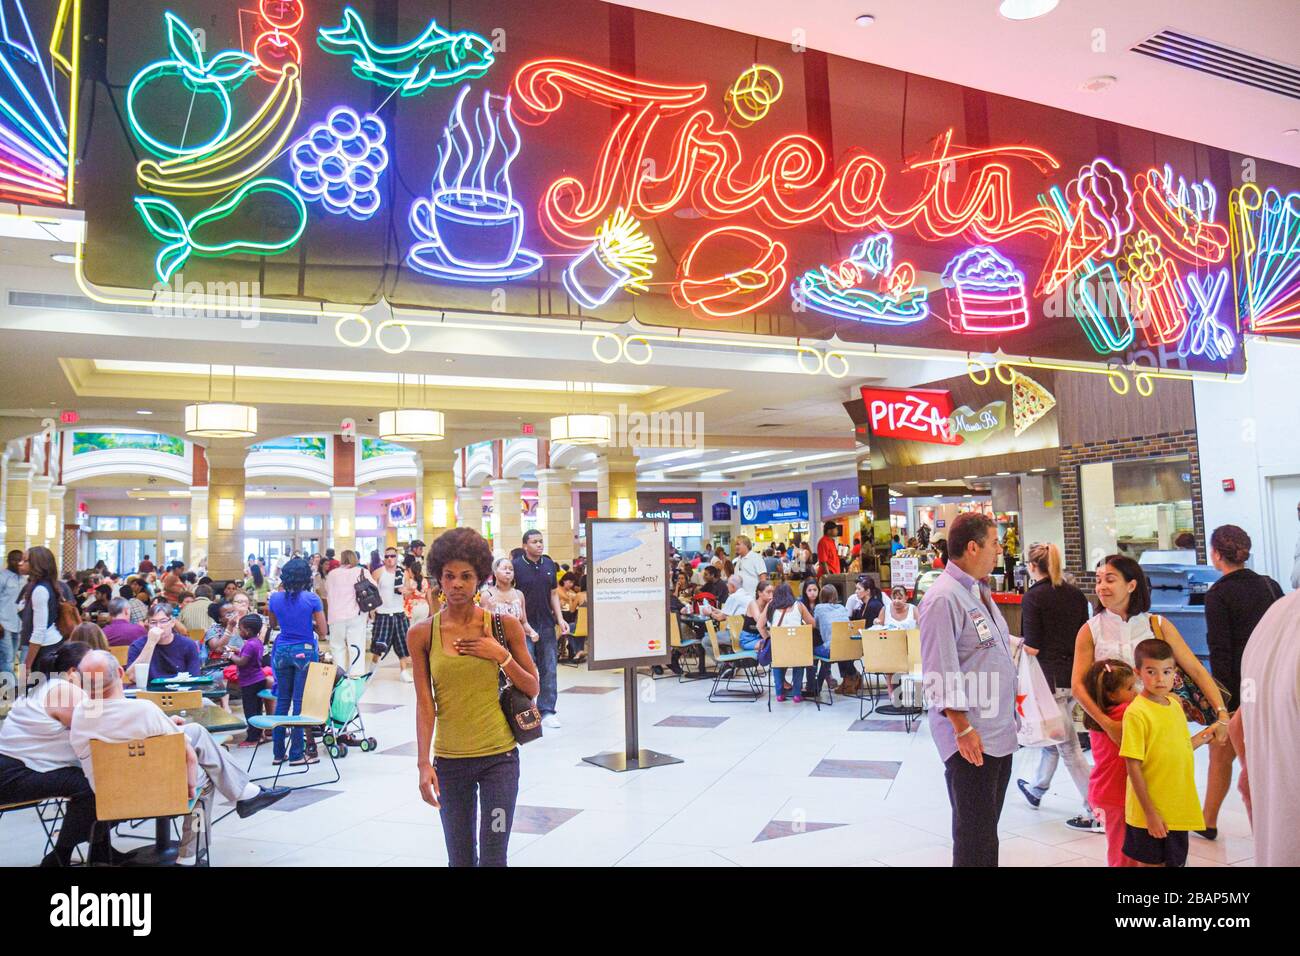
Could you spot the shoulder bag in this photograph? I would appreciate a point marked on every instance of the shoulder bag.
(1196, 706)
(520, 710)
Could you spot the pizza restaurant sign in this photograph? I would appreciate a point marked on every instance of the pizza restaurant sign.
(926, 415)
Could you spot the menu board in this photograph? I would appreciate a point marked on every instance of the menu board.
(627, 593)
(903, 571)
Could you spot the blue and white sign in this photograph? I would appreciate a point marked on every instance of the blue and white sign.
(838, 497)
(781, 507)
(721, 511)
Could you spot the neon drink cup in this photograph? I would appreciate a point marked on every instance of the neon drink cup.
(473, 229)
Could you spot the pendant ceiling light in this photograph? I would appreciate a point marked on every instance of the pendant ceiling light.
(586, 428)
(407, 424)
(220, 419)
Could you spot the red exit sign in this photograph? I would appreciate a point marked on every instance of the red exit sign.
(69, 418)
(528, 429)
(910, 414)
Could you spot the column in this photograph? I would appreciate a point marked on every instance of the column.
(469, 508)
(53, 529)
(437, 496)
(616, 484)
(225, 509)
(507, 516)
(40, 508)
(71, 524)
(555, 504)
(199, 524)
(343, 519)
(18, 501)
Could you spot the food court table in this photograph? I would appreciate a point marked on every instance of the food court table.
(696, 621)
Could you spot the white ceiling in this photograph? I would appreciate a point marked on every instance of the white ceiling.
(1045, 60)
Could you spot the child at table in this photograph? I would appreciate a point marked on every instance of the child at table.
(1162, 805)
(252, 676)
(1111, 684)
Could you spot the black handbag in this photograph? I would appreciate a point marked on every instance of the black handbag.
(520, 710)
(368, 596)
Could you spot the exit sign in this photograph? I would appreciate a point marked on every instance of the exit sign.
(528, 429)
(69, 418)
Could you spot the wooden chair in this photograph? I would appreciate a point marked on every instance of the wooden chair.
(121, 652)
(888, 652)
(735, 624)
(579, 630)
(686, 648)
(845, 647)
(791, 647)
(736, 663)
(172, 701)
(315, 712)
(145, 780)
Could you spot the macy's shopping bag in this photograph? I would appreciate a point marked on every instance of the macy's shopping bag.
(1042, 723)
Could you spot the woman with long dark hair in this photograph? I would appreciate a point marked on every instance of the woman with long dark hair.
(1123, 621)
(1053, 611)
(1233, 606)
(474, 771)
(40, 612)
(301, 618)
(785, 611)
(256, 583)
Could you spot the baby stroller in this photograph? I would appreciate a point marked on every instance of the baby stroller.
(345, 727)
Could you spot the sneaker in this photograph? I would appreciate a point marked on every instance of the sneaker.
(1034, 801)
(1085, 823)
(797, 698)
(780, 698)
(406, 677)
(551, 721)
(1209, 833)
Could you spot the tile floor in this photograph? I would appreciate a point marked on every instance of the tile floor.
(796, 786)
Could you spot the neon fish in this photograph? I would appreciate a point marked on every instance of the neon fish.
(436, 58)
(168, 224)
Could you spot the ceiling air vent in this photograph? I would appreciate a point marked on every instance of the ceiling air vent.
(1223, 62)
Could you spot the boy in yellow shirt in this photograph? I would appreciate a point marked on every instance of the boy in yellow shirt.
(1161, 807)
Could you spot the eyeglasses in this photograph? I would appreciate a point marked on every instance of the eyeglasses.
(387, 556)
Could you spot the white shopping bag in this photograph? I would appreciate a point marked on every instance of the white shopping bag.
(1042, 724)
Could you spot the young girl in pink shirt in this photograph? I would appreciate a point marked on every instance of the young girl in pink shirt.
(1111, 684)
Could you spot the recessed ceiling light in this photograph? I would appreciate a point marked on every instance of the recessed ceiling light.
(864, 20)
(1004, 474)
(143, 411)
(966, 477)
(1098, 84)
(64, 258)
(1026, 9)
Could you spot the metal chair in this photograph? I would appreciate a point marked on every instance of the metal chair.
(729, 666)
(315, 712)
(145, 780)
(48, 810)
(686, 647)
(792, 646)
(845, 647)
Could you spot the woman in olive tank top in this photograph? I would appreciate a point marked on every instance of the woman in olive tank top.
(474, 769)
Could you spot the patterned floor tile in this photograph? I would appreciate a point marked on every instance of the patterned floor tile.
(684, 720)
(541, 820)
(784, 828)
(859, 769)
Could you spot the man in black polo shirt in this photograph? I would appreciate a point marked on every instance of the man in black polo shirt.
(535, 576)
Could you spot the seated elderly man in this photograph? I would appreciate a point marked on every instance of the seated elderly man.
(110, 716)
(737, 602)
(120, 631)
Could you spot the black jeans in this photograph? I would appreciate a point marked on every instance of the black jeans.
(976, 795)
(18, 785)
(472, 784)
(252, 706)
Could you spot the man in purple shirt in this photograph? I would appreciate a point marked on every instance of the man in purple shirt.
(970, 687)
(166, 652)
(120, 631)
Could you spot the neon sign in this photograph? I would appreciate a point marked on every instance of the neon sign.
(215, 77)
(1157, 293)
(33, 132)
(435, 58)
(754, 94)
(276, 46)
(622, 253)
(1097, 215)
(837, 290)
(168, 224)
(339, 162)
(911, 414)
(1099, 302)
(472, 228)
(728, 294)
(1182, 217)
(236, 157)
(986, 292)
(787, 187)
(1205, 334)
(1265, 228)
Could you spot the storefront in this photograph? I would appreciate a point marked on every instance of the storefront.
(840, 501)
(777, 517)
(683, 510)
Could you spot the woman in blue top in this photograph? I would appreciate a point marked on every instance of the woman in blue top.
(301, 618)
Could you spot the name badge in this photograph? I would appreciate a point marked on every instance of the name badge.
(982, 629)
